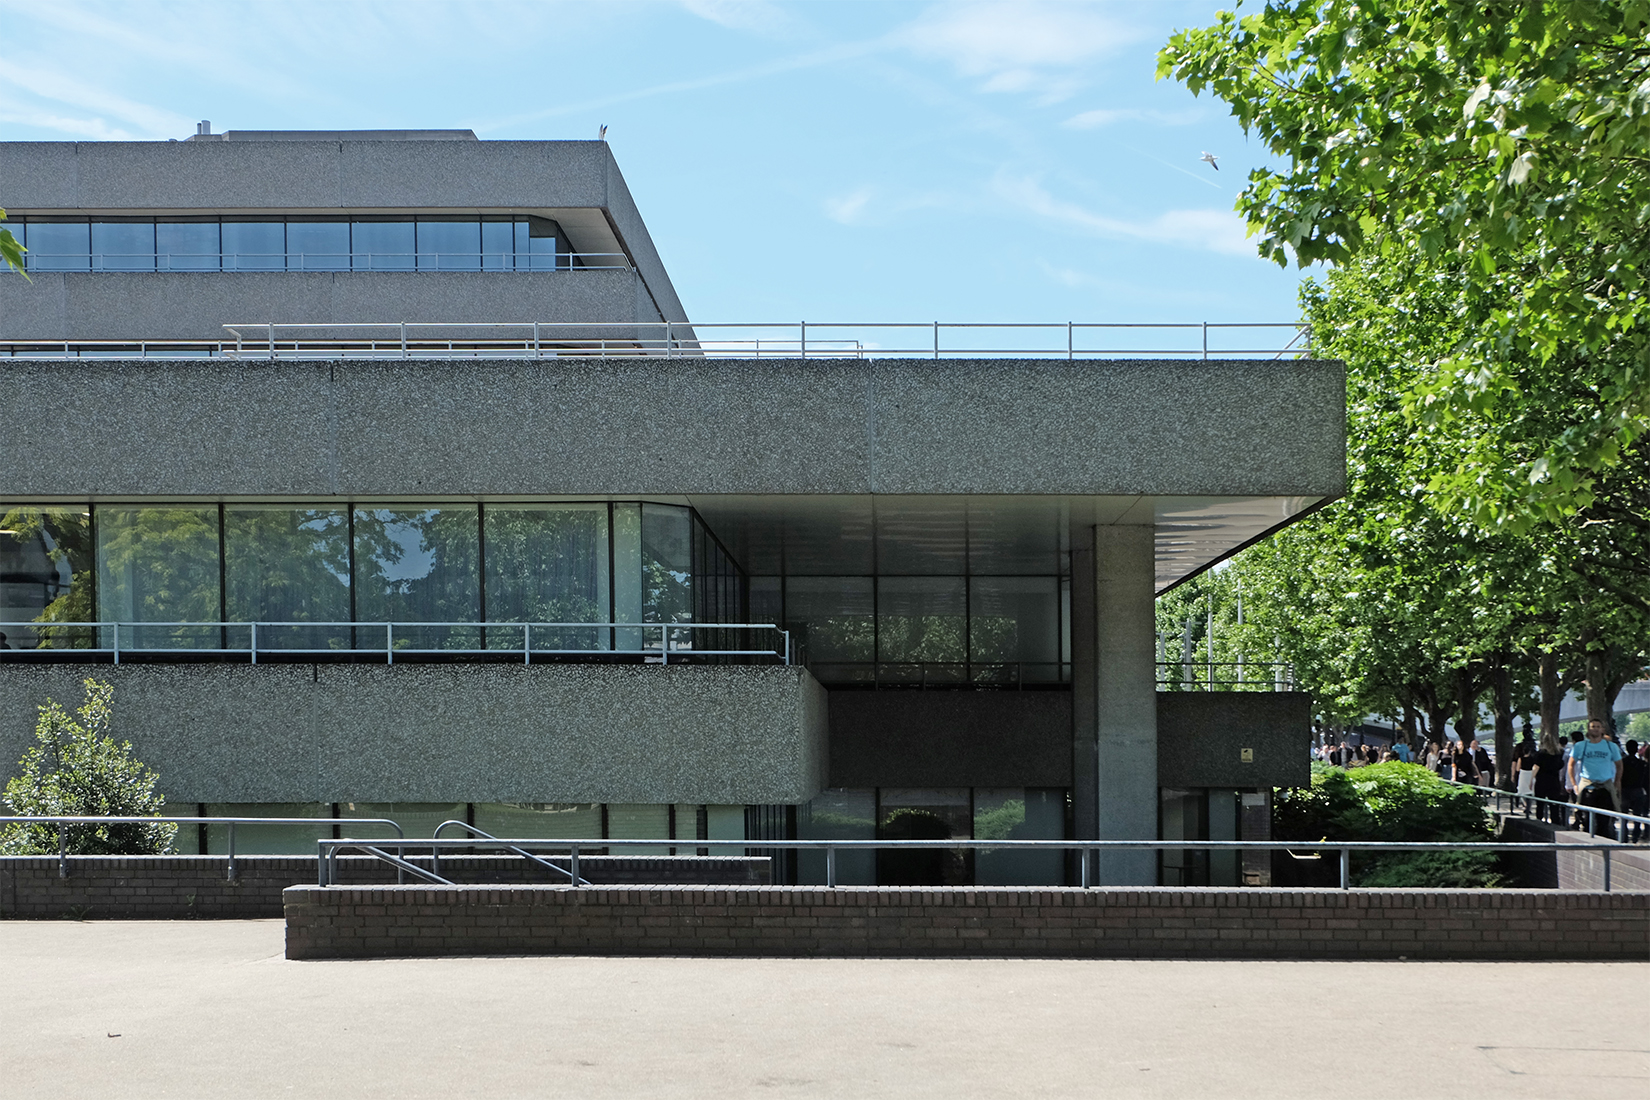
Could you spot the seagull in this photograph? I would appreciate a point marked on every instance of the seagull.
(601, 135)
(1209, 158)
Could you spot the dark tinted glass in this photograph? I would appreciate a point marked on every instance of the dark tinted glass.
(254, 246)
(383, 245)
(923, 814)
(159, 565)
(1014, 628)
(59, 245)
(535, 245)
(449, 244)
(123, 245)
(45, 577)
(285, 565)
(920, 621)
(187, 245)
(832, 620)
(547, 565)
(317, 246)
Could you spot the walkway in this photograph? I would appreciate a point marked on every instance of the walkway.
(138, 1009)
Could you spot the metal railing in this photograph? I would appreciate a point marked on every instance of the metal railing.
(63, 823)
(1569, 809)
(1225, 675)
(1069, 340)
(657, 642)
(326, 869)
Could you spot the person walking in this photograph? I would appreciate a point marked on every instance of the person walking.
(1548, 768)
(1466, 768)
(1485, 765)
(1635, 790)
(1596, 765)
(1524, 773)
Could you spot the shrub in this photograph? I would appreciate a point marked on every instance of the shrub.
(78, 770)
(1393, 802)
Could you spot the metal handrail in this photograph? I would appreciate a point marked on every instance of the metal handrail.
(390, 649)
(684, 339)
(297, 262)
(1345, 848)
(1570, 807)
(63, 842)
(572, 873)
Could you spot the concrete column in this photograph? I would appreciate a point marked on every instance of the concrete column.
(1125, 697)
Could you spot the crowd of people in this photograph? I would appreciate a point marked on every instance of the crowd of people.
(1558, 776)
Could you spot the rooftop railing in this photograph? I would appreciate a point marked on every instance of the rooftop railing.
(1225, 676)
(657, 643)
(70, 263)
(1068, 340)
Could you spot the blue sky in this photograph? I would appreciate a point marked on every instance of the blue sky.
(818, 161)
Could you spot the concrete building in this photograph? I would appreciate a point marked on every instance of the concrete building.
(516, 581)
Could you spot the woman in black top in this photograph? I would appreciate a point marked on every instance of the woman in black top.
(1549, 779)
(1466, 771)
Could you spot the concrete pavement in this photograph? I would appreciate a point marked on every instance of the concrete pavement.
(212, 1009)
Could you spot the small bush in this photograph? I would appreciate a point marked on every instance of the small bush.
(1392, 802)
(78, 770)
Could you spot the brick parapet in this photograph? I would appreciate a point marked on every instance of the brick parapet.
(342, 922)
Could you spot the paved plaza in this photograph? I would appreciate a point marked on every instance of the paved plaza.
(213, 1009)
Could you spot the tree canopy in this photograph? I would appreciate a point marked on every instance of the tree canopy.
(1505, 139)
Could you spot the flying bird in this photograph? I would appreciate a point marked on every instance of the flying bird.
(1209, 159)
(601, 135)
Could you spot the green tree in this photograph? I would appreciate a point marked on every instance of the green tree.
(10, 251)
(1505, 136)
(79, 770)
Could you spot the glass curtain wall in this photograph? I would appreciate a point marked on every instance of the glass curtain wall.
(287, 567)
(160, 565)
(418, 566)
(437, 242)
(547, 565)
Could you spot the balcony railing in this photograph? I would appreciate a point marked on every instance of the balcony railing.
(1068, 340)
(1225, 676)
(653, 643)
(70, 263)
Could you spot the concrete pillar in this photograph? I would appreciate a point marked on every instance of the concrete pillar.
(1085, 773)
(1125, 697)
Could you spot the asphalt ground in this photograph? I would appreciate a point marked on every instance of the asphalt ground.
(212, 1009)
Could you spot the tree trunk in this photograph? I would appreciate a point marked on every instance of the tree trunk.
(1410, 718)
(1599, 696)
(1466, 724)
(1502, 704)
(1552, 692)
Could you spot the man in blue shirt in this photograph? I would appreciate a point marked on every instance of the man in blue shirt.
(1402, 749)
(1596, 763)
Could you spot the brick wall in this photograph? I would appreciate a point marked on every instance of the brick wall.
(172, 887)
(1579, 870)
(347, 922)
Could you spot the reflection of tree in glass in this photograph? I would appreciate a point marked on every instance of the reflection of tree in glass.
(547, 565)
(288, 565)
(1006, 822)
(994, 638)
(66, 539)
(419, 566)
(921, 638)
(838, 638)
(919, 866)
(160, 565)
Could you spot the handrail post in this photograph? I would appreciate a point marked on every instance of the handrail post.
(254, 643)
(830, 868)
(272, 339)
(527, 644)
(936, 339)
(117, 643)
(1606, 870)
(389, 643)
(232, 867)
(573, 863)
(403, 339)
(1346, 868)
(62, 852)
(1068, 341)
(804, 343)
(1083, 855)
(1205, 339)
(538, 349)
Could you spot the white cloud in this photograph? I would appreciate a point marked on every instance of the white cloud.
(1018, 47)
(1105, 116)
(751, 16)
(93, 128)
(55, 88)
(847, 209)
(1220, 231)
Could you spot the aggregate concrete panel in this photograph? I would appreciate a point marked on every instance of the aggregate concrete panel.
(950, 738)
(197, 305)
(444, 733)
(676, 427)
(1202, 735)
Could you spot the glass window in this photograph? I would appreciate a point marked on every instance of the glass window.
(924, 814)
(263, 840)
(59, 244)
(1033, 813)
(45, 577)
(1014, 629)
(833, 623)
(381, 244)
(418, 566)
(536, 244)
(289, 565)
(667, 573)
(319, 245)
(125, 244)
(920, 629)
(415, 818)
(638, 821)
(187, 244)
(449, 244)
(159, 565)
(838, 814)
(254, 245)
(540, 820)
(498, 244)
(18, 228)
(547, 565)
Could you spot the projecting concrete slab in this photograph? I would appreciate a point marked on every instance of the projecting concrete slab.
(212, 1009)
